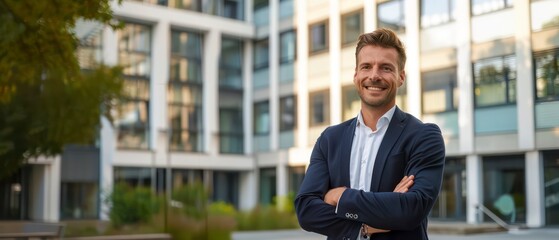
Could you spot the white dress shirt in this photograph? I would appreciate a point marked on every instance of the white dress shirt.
(364, 149)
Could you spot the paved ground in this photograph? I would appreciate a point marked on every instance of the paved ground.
(528, 234)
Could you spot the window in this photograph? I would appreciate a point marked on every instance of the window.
(439, 91)
(391, 15)
(486, 6)
(287, 46)
(192, 5)
(133, 176)
(261, 53)
(547, 75)
(134, 46)
(90, 51)
(351, 102)
(233, 9)
(551, 183)
(267, 185)
(288, 119)
(319, 108)
(262, 118)
(318, 37)
(352, 27)
(184, 94)
(437, 12)
(495, 81)
(505, 190)
(230, 64)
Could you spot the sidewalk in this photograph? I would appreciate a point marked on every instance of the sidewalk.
(528, 234)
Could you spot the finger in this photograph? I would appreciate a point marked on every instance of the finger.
(404, 179)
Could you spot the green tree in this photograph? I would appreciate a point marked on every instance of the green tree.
(46, 100)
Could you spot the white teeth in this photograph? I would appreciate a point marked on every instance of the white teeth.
(373, 88)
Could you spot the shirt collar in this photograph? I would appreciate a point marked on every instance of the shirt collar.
(384, 120)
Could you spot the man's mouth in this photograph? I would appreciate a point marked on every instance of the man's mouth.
(374, 88)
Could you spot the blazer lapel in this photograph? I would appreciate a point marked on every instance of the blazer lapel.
(392, 134)
(347, 141)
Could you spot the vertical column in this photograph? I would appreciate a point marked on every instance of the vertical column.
(281, 182)
(465, 78)
(249, 4)
(160, 48)
(474, 188)
(335, 66)
(247, 97)
(53, 205)
(412, 65)
(369, 16)
(535, 192)
(525, 82)
(212, 48)
(248, 195)
(274, 74)
(302, 76)
(108, 135)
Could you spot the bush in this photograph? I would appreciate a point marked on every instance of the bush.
(131, 205)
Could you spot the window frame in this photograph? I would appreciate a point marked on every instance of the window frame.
(343, 19)
(507, 79)
(326, 37)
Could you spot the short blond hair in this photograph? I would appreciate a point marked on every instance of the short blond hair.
(385, 38)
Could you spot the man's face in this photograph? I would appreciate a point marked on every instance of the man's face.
(377, 77)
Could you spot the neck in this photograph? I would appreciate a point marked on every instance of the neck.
(371, 114)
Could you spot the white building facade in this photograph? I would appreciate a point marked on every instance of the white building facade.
(234, 93)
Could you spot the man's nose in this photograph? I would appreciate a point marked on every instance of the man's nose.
(374, 74)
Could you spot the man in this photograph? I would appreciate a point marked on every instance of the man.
(347, 192)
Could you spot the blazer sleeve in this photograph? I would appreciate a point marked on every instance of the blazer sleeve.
(403, 211)
(312, 212)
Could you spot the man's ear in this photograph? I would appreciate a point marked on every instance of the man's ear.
(402, 78)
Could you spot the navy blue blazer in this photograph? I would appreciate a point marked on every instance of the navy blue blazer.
(409, 147)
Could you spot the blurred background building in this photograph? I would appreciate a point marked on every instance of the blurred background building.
(234, 93)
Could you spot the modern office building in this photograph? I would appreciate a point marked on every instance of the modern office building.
(234, 93)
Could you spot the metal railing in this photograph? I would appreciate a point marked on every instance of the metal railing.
(497, 219)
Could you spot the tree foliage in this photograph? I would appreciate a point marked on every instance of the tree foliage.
(46, 100)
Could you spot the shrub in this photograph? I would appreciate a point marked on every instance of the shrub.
(131, 205)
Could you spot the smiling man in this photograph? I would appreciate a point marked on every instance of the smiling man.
(377, 175)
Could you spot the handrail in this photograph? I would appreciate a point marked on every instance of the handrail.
(552, 182)
(496, 218)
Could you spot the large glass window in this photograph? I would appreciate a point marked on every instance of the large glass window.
(485, 6)
(231, 96)
(439, 91)
(261, 54)
(319, 108)
(78, 200)
(296, 175)
(192, 5)
(267, 185)
(226, 187)
(505, 191)
(436, 12)
(230, 64)
(547, 75)
(318, 37)
(402, 96)
(391, 15)
(231, 130)
(287, 46)
(90, 51)
(551, 184)
(134, 48)
(262, 118)
(495, 81)
(451, 203)
(288, 106)
(133, 176)
(352, 27)
(184, 95)
(351, 102)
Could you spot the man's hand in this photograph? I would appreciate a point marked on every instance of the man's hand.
(402, 187)
(333, 195)
(404, 184)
